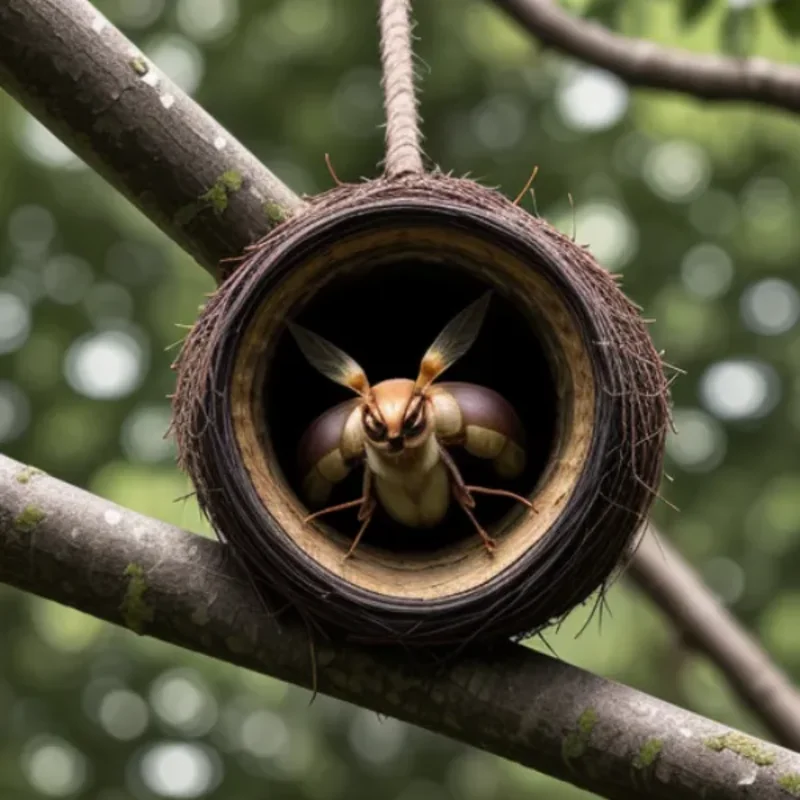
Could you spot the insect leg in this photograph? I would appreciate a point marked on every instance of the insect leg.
(490, 543)
(330, 509)
(365, 512)
(502, 493)
(366, 494)
(459, 487)
(467, 502)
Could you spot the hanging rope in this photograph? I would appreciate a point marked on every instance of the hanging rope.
(403, 154)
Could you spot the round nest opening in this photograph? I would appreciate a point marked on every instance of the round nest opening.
(385, 314)
(378, 270)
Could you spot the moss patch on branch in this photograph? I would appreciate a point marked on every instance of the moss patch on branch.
(25, 475)
(575, 744)
(216, 197)
(135, 609)
(649, 752)
(790, 783)
(28, 519)
(741, 745)
(275, 213)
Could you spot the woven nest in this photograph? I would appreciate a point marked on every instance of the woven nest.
(378, 268)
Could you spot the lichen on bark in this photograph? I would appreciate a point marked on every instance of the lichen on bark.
(30, 516)
(136, 611)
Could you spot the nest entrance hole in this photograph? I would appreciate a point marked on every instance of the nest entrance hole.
(385, 315)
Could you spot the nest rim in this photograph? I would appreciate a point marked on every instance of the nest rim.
(463, 567)
(588, 540)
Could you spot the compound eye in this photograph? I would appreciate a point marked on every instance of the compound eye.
(375, 429)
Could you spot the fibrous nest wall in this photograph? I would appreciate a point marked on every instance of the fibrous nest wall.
(378, 268)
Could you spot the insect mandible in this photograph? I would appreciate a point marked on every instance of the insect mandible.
(400, 431)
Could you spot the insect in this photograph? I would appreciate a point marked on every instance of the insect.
(400, 431)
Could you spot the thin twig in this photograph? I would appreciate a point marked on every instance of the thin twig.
(644, 63)
(677, 590)
(403, 154)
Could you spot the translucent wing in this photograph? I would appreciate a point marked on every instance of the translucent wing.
(328, 359)
(453, 342)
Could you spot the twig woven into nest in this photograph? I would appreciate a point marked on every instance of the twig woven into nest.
(601, 478)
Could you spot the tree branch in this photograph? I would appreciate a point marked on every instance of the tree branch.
(675, 588)
(92, 87)
(643, 63)
(67, 545)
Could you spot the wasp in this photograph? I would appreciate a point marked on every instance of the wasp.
(400, 431)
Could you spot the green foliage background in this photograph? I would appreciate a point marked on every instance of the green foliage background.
(696, 204)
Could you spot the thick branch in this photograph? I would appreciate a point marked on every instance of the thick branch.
(674, 587)
(70, 546)
(643, 63)
(94, 89)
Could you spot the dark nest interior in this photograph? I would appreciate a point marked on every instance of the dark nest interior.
(385, 316)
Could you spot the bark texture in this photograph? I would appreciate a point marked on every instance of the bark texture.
(75, 72)
(67, 545)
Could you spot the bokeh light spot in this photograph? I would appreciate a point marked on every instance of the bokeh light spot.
(66, 278)
(740, 389)
(105, 366)
(143, 434)
(63, 628)
(770, 307)
(181, 699)
(707, 271)
(54, 767)
(264, 734)
(699, 443)
(15, 322)
(207, 20)
(677, 170)
(179, 59)
(725, 578)
(42, 146)
(592, 99)
(123, 714)
(15, 411)
(31, 228)
(606, 229)
(179, 769)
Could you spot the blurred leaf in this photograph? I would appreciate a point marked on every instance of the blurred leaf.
(738, 31)
(692, 10)
(787, 13)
